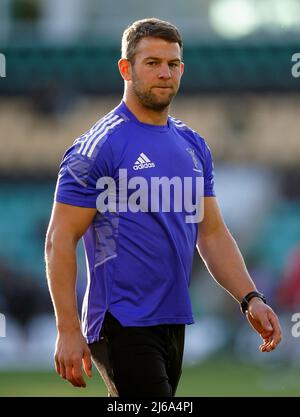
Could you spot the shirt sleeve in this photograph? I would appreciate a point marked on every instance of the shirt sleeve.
(208, 165)
(78, 176)
(209, 180)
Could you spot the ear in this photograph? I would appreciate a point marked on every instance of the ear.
(181, 68)
(125, 69)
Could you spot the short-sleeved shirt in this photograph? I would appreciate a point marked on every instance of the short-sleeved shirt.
(146, 182)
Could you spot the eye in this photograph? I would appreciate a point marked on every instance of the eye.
(174, 64)
(151, 63)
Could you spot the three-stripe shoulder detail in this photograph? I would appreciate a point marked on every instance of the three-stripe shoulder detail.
(178, 123)
(88, 142)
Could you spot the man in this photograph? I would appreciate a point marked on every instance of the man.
(139, 247)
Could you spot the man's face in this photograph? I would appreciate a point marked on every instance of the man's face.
(156, 72)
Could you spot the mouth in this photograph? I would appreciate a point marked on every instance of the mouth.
(163, 87)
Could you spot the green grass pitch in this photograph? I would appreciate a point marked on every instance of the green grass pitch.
(213, 378)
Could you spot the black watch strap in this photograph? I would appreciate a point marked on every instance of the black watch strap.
(248, 297)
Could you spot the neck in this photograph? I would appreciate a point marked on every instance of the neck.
(144, 114)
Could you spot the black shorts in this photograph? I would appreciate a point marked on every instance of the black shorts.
(139, 361)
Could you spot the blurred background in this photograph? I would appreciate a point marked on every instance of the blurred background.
(59, 75)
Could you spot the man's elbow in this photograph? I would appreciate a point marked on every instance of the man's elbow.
(201, 247)
(58, 239)
(207, 240)
(49, 244)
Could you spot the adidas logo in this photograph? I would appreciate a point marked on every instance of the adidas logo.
(143, 162)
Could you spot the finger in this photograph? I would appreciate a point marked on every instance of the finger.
(57, 366)
(62, 370)
(276, 337)
(268, 346)
(264, 346)
(271, 345)
(267, 327)
(69, 374)
(77, 374)
(87, 363)
(274, 344)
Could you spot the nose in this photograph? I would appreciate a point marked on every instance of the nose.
(164, 71)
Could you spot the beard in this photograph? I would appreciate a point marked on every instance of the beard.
(149, 99)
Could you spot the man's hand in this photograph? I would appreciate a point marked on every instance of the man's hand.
(71, 350)
(263, 319)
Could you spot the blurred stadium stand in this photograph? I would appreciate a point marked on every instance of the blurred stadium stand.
(92, 69)
(75, 45)
(237, 91)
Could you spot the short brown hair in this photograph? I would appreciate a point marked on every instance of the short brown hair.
(150, 27)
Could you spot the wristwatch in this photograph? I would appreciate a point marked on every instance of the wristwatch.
(248, 297)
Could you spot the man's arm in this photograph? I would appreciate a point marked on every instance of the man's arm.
(224, 261)
(67, 225)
